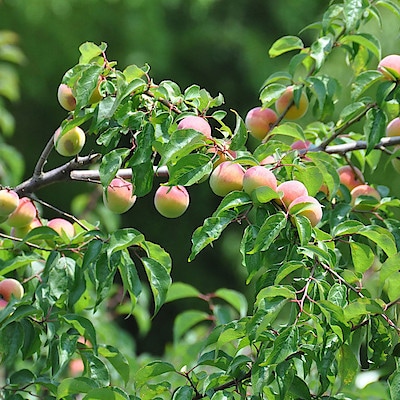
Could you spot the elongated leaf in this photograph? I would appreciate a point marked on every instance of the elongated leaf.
(106, 393)
(362, 256)
(363, 82)
(382, 237)
(210, 230)
(370, 42)
(110, 164)
(347, 363)
(83, 325)
(186, 320)
(234, 298)
(181, 290)
(69, 386)
(117, 360)
(239, 137)
(389, 267)
(284, 346)
(349, 227)
(124, 238)
(159, 280)
(86, 85)
(234, 200)
(151, 370)
(89, 50)
(374, 128)
(285, 44)
(269, 231)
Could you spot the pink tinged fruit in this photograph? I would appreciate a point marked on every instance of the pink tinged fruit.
(3, 304)
(389, 66)
(61, 225)
(268, 160)
(119, 196)
(11, 287)
(226, 177)
(258, 176)
(393, 128)
(23, 215)
(295, 111)
(171, 201)
(22, 231)
(197, 123)
(364, 190)
(9, 201)
(291, 190)
(350, 176)
(70, 143)
(259, 121)
(65, 97)
(309, 207)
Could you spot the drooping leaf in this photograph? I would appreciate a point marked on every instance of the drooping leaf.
(285, 44)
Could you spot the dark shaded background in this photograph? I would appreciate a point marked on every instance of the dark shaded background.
(221, 45)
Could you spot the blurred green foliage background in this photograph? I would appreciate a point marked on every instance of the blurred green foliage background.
(221, 45)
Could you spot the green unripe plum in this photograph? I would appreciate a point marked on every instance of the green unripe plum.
(307, 206)
(23, 215)
(22, 231)
(364, 190)
(295, 111)
(62, 226)
(9, 201)
(393, 128)
(350, 176)
(119, 196)
(65, 97)
(171, 201)
(259, 121)
(70, 143)
(389, 66)
(258, 176)
(10, 287)
(291, 190)
(197, 123)
(226, 177)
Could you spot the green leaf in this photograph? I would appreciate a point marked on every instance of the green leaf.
(275, 291)
(361, 307)
(349, 227)
(156, 252)
(190, 169)
(130, 277)
(284, 345)
(233, 200)
(143, 150)
(181, 290)
(86, 85)
(117, 360)
(151, 370)
(83, 325)
(122, 239)
(11, 341)
(285, 44)
(374, 127)
(181, 143)
(239, 137)
(186, 320)
(183, 393)
(304, 228)
(89, 50)
(311, 177)
(319, 50)
(389, 267)
(381, 236)
(290, 129)
(348, 366)
(271, 93)
(369, 41)
(353, 10)
(210, 231)
(69, 386)
(142, 178)
(286, 269)
(106, 393)
(362, 256)
(363, 82)
(269, 231)
(236, 299)
(96, 368)
(159, 280)
(110, 164)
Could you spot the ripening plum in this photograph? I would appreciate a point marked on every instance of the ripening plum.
(197, 123)
(10, 287)
(295, 111)
(350, 176)
(389, 66)
(61, 225)
(22, 231)
(65, 97)
(9, 201)
(364, 190)
(70, 143)
(291, 190)
(393, 128)
(226, 177)
(23, 215)
(307, 206)
(119, 196)
(259, 121)
(171, 201)
(258, 176)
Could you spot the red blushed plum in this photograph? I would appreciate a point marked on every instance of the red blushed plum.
(171, 201)
(259, 121)
(70, 143)
(307, 206)
(119, 196)
(364, 190)
(389, 66)
(295, 111)
(350, 176)
(11, 287)
(23, 215)
(226, 177)
(61, 225)
(393, 128)
(197, 123)
(258, 176)
(291, 190)
(3, 304)
(65, 97)
(9, 201)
